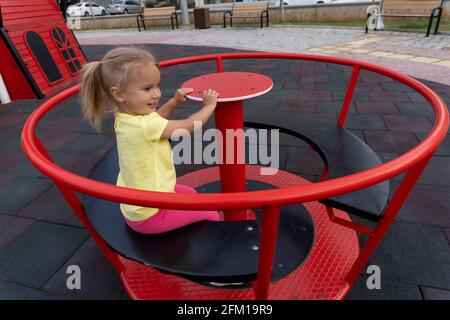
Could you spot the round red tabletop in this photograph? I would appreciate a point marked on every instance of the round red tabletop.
(231, 86)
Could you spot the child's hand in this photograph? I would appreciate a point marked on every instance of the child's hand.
(180, 95)
(210, 97)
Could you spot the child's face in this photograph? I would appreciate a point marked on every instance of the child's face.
(142, 95)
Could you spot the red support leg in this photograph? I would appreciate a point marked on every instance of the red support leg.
(269, 230)
(219, 64)
(348, 96)
(77, 207)
(229, 115)
(394, 206)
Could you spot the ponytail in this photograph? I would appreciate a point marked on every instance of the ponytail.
(92, 94)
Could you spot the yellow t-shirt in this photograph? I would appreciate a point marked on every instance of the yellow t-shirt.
(145, 160)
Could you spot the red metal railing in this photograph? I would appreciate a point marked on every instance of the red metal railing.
(412, 162)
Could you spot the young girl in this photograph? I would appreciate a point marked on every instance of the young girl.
(126, 81)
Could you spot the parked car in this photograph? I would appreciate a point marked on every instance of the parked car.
(83, 9)
(124, 7)
(351, 1)
(304, 2)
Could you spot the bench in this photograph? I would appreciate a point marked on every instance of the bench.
(248, 10)
(429, 9)
(162, 13)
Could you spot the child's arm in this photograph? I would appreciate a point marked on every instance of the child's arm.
(179, 98)
(209, 105)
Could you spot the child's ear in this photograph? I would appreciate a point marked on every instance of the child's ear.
(115, 93)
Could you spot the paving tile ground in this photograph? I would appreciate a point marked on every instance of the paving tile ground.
(40, 236)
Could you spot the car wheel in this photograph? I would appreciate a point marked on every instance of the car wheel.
(86, 14)
(103, 13)
(125, 11)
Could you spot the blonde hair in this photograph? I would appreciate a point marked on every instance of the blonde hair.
(115, 69)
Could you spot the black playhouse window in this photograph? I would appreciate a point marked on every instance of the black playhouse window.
(66, 49)
(43, 56)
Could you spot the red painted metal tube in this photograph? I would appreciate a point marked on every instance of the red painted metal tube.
(229, 115)
(269, 227)
(77, 207)
(391, 211)
(348, 96)
(219, 64)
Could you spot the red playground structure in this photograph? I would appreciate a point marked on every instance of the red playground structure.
(304, 243)
(39, 53)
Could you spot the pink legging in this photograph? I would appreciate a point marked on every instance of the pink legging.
(165, 219)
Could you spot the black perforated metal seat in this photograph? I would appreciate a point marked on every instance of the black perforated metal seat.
(204, 251)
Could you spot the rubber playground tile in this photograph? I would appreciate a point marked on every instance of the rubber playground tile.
(426, 204)
(23, 168)
(10, 156)
(4, 178)
(316, 95)
(444, 147)
(54, 140)
(415, 108)
(358, 95)
(386, 141)
(24, 106)
(12, 227)
(364, 121)
(333, 106)
(86, 143)
(12, 119)
(38, 253)
(279, 94)
(435, 294)
(298, 85)
(98, 279)
(304, 161)
(415, 97)
(80, 164)
(316, 78)
(396, 86)
(369, 86)
(280, 77)
(271, 102)
(388, 96)
(390, 290)
(322, 85)
(14, 291)
(415, 254)
(407, 123)
(376, 107)
(17, 192)
(369, 76)
(10, 138)
(437, 172)
(297, 106)
(50, 206)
